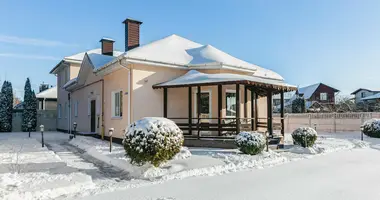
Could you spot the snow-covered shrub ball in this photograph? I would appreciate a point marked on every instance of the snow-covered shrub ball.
(152, 140)
(304, 136)
(250, 142)
(371, 128)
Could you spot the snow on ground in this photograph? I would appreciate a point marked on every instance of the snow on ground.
(85, 167)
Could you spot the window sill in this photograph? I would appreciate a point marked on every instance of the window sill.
(117, 118)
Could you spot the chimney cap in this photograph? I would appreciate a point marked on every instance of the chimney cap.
(132, 20)
(107, 39)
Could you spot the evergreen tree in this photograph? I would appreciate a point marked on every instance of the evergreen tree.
(298, 105)
(6, 107)
(29, 113)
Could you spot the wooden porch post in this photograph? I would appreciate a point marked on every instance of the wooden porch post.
(269, 112)
(245, 102)
(190, 113)
(165, 102)
(219, 109)
(237, 108)
(198, 108)
(282, 114)
(252, 110)
(256, 116)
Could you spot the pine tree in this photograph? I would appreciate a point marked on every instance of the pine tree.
(298, 105)
(6, 107)
(29, 113)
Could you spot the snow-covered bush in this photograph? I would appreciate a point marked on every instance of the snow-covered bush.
(304, 136)
(152, 140)
(250, 142)
(371, 128)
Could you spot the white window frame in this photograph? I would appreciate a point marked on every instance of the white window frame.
(225, 98)
(324, 95)
(113, 104)
(59, 111)
(76, 108)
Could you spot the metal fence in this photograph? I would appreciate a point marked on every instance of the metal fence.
(328, 122)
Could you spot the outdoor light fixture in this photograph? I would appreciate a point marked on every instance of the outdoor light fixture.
(110, 132)
(75, 128)
(42, 129)
(361, 131)
(29, 127)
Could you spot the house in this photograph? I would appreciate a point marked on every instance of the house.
(206, 91)
(277, 98)
(47, 98)
(364, 94)
(319, 92)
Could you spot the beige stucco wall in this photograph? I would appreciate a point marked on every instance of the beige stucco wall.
(74, 70)
(62, 122)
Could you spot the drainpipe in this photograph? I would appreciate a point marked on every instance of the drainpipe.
(129, 92)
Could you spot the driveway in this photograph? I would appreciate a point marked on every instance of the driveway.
(348, 175)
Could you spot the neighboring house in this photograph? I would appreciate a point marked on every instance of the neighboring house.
(102, 89)
(47, 99)
(364, 94)
(319, 92)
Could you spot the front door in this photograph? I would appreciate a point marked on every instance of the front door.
(205, 106)
(93, 115)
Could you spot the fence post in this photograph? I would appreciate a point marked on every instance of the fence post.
(334, 116)
(309, 120)
(362, 118)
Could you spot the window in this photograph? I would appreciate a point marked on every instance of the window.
(230, 103)
(59, 110)
(363, 94)
(323, 96)
(76, 108)
(117, 104)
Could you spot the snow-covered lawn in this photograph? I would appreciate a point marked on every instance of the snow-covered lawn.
(85, 167)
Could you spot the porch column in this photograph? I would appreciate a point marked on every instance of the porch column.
(237, 108)
(282, 114)
(256, 110)
(198, 109)
(165, 102)
(219, 109)
(245, 102)
(269, 112)
(252, 110)
(190, 113)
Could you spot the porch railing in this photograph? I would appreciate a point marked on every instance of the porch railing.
(226, 129)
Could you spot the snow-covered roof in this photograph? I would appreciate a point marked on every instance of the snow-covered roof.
(176, 50)
(50, 93)
(194, 77)
(375, 96)
(80, 56)
(70, 82)
(308, 91)
(360, 89)
(98, 60)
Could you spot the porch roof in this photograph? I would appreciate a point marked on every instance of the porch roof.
(196, 78)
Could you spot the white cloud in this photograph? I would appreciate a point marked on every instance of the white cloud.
(32, 41)
(28, 56)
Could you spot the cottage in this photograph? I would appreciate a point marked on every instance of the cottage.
(206, 91)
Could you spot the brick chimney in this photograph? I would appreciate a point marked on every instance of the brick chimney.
(132, 33)
(107, 46)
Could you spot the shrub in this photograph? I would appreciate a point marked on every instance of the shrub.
(152, 140)
(250, 142)
(298, 105)
(371, 128)
(304, 136)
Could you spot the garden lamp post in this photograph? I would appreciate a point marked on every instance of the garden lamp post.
(110, 132)
(361, 131)
(75, 129)
(42, 129)
(315, 126)
(29, 127)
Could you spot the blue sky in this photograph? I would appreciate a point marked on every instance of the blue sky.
(334, 42)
